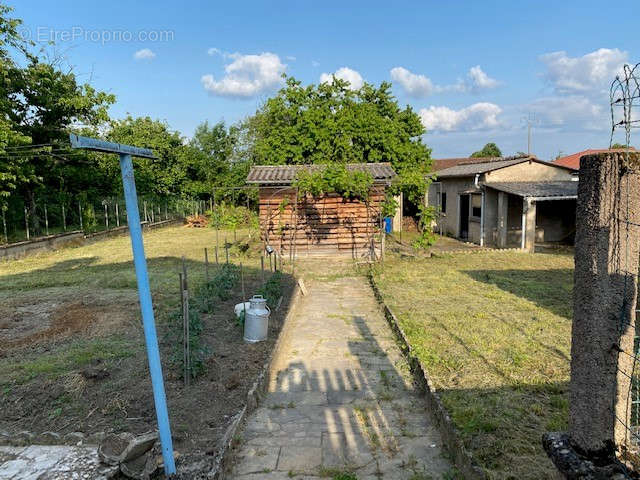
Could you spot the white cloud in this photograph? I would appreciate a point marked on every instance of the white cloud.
(352, 76)
(417, 85)
(291, 58)
(315, 63)
(479, 116)
(589, 73)
(144, 54)
(569, 112)
(214, 51)
(478, 80)
(246, 76)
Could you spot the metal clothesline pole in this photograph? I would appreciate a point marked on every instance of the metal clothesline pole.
(142, 277)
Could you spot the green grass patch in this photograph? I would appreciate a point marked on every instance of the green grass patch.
(75, 355)
(493, 330)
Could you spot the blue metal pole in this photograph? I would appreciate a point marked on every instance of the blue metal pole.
(151, 338)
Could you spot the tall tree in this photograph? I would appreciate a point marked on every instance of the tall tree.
(489, 150)
(158, 176)
(331, 122)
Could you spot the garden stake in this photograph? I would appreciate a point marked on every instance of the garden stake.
(226, 249)
(4, 226)
(180, 291)
(185, 322)
(117, 216)
(80, 213)
(217, 255)
(106, 217)
(262, 266)
(270, 263)
(64, 219)
(206, 264)
(26, 220)
(244, 297)
(46, 220)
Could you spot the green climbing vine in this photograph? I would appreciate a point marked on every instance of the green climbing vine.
(334, 178)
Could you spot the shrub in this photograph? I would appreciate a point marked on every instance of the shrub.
(198, 351)
(272, 289)
(232, 216)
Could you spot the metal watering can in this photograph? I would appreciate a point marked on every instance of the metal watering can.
(256, 320)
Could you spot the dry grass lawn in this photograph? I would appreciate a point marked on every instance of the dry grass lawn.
(493, 331)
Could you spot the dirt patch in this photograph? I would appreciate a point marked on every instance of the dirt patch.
(107, 388)
(44, 321)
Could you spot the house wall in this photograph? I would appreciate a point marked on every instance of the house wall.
(527, 172)
(448, 221)
(491, 218)
(318, 225)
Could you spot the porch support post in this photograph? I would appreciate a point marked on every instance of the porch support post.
(529, 231)
(482, 207)
(503, 209)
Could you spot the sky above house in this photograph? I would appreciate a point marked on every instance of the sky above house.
(475, 72)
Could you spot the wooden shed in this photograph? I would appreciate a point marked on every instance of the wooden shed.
(323, 225)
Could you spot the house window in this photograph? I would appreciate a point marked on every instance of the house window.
(476, 206)
(443, 202)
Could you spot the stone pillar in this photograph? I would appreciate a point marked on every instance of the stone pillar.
(529, 211)
(605, 291)
(503, 215)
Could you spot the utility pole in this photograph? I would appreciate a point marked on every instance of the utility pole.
(530, 120)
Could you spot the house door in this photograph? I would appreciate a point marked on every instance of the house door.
(464, 216)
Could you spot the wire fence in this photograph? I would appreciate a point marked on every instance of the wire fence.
(24, 220)
(624, 102)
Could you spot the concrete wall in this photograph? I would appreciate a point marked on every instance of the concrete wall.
(76, 238)
(604, 299)
(527, 172)
(51, 242)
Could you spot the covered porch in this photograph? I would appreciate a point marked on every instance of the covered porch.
(530, 213)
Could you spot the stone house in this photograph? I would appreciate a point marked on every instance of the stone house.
(505, 202)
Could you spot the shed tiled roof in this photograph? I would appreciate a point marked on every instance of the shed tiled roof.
(285, 174)
(537, 189)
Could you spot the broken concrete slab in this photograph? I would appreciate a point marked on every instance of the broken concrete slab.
(53, 463)
(139, 445)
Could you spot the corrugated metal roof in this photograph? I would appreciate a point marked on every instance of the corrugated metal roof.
(470, 169)
(537, 189)
(285, 174)
(473, 168)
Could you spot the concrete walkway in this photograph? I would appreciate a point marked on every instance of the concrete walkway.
(38, 462)
(340, 398)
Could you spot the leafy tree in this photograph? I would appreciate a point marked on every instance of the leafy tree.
(489, 150)
(620, 146)
(331, 123)
(157, 176)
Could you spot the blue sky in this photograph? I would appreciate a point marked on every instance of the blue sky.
(473, 70)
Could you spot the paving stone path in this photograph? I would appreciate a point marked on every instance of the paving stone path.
(340, 398)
